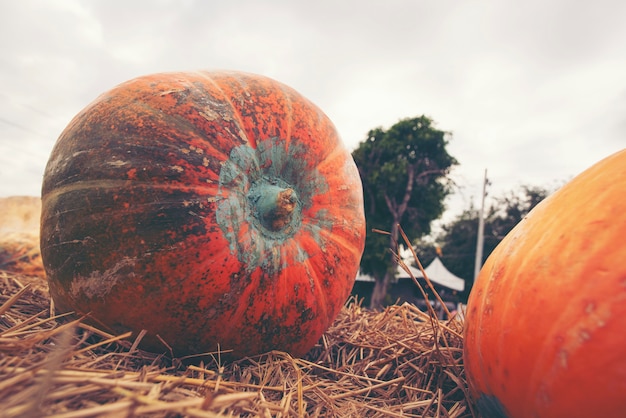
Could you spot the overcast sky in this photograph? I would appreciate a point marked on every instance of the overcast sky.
(534, 91)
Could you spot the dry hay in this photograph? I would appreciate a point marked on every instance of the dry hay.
(19, 235)
(398, 362)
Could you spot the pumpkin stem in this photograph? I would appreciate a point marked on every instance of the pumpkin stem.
(275, 206)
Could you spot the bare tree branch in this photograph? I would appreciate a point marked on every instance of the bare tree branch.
(407, 191)
(391, 205)
(420, 177)
(398, 210)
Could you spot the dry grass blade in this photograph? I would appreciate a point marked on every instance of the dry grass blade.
(7, 305)
(400, 362)
(421, 268)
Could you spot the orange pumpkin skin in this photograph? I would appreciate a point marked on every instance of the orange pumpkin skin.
(153, 214)
(545, 330)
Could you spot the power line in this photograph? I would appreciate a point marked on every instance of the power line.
(22, 127)
(27, 106)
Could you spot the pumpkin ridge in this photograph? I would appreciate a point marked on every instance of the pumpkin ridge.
(506, 280)
(195, 131)
(289, 117)
(501, 318)
(182, 120)
(236, 111)
(478, 324)
(322, 299)
(144, 107)
(328, 159)
(204, 135)
(210, 188)
(343, 242)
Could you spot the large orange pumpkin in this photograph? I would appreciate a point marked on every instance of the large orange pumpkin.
(208, 208)
(545, 331)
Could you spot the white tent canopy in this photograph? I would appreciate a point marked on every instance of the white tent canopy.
(436, 272)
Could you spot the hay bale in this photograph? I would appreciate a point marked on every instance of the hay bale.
(19, 235)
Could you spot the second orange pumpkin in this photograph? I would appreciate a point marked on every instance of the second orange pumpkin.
(545, 331)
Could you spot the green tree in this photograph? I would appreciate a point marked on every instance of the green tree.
(458, 238)
(404, 172)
